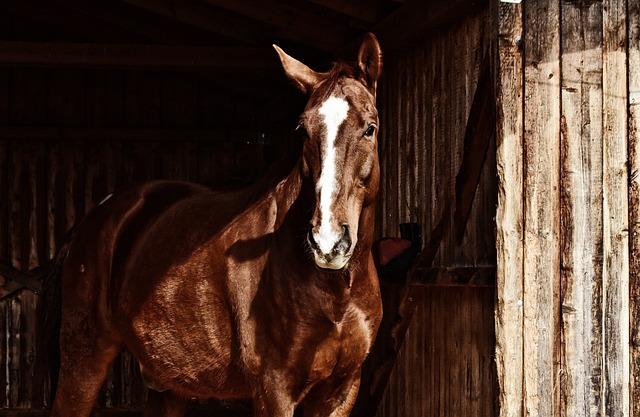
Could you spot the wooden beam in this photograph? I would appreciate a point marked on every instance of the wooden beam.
(541, 302)
(413, 21)
(509, 214)
(135, 20)
(291, 23)
(365, 11)
(615, 211)
(129, 134)
(457, 276)
(634, 201)
(581, 208)
(136, 56)
(203, 17)
(41, 19)
(481, 126)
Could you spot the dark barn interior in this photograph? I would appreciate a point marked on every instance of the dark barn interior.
(97, 95)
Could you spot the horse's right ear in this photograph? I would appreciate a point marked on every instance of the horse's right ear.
(302, 76)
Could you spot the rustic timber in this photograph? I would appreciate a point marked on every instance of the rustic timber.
(358, 9)
(447, 353)
(202, 17)
(510, 210)
(481, 126)
(418, 18)
(541, 207)
(119, 17)
(291, 23)
(581, 209)
(615, 274)
(32, 133)
(135, 56)
(634, 201)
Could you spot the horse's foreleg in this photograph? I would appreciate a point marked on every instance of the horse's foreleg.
(327, 401)
(165, 404)
(83, 368)
(271, 398)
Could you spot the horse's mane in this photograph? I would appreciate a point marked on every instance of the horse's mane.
(339, 69)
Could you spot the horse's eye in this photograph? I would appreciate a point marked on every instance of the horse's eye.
(370, 130)
(301, 130)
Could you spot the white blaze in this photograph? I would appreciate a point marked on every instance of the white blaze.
(334, 110)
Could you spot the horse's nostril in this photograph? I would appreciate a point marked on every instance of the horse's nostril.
(344, 244)
(311, 240)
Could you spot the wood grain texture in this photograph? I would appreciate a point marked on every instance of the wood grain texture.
(615, 211)
(541, 207)
(581, 209)
(509, 216)
(453, 363)
(634, 201)
(424, 110)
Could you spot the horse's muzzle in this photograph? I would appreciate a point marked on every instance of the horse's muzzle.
(338, 256)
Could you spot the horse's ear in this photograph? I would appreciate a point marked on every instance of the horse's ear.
(370, 61)
(302, 76)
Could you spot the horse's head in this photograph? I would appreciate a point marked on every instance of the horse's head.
(340, 125)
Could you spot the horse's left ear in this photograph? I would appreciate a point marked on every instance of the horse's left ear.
(370, 61)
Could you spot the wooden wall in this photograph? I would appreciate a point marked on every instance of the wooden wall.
(425, 99)
(446, 365)
(70, 137)
(568, 213)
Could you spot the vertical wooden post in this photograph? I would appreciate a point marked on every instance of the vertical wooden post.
(509, 217)
(634, 201)
(615, 284)
(581, 209)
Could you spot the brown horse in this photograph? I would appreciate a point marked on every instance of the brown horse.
(268, 294)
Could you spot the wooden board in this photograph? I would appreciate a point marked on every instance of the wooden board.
(634, 202)
(615, 273)
(446, 365)
(509, 217)
(581, 209)
(541, 208)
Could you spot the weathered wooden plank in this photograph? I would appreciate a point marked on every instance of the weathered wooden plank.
(150, 135)
(509, 216)
(291, 23)
(634, 201)
(615, 211)
(581, 208)
(479, 130)
(541, 208)
(445, 370)
(87, 55)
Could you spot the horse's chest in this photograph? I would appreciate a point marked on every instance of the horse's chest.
(345, 349)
